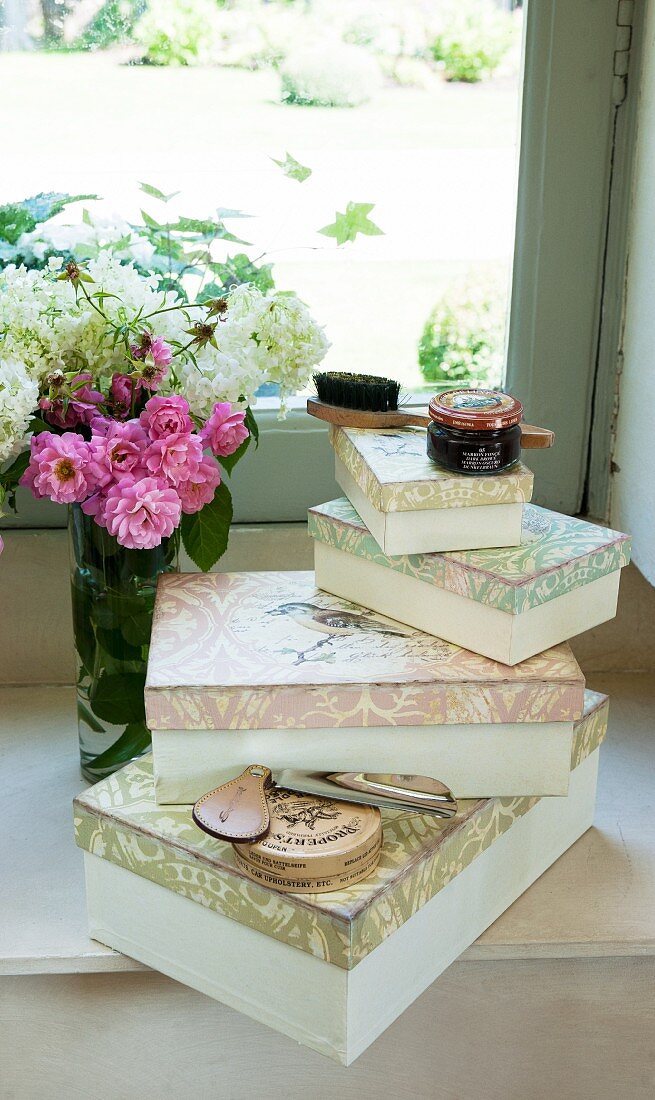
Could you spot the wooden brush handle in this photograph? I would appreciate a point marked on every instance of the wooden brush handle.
(364, 418)
(534, 438)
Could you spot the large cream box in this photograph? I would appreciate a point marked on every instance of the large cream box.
(265, 668)
(330, 970)
(507, 603)
(412, 506)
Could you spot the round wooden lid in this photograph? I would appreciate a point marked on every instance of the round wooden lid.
(476, 410)
(313, 843)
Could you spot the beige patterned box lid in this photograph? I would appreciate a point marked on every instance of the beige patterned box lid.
(392, 469)
(269, 650)
(557, 554)
(119, 820)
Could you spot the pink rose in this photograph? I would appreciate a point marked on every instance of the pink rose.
(164, 416)
(225, 430)
(156, 355)
(141, 513)
(81, 407)
(95, 506)
(121, 394)
(117, 448)
(61, 467)
(199, 490)
(175, 458)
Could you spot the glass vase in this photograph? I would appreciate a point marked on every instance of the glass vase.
(113, 596)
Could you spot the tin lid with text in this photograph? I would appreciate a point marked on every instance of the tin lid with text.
(557, 554)
(392, 468)
(269, 650)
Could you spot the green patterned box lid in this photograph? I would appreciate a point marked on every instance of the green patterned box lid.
(392, 468)
(120, 821)
(557, 554)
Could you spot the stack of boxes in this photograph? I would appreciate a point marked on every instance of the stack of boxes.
(432, 640)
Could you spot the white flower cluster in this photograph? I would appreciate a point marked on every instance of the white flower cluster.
(288, 342)
(44, 327)
(266, 338)
(18, 397)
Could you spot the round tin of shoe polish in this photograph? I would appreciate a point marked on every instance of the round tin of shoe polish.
(474, 431)
(314, 844)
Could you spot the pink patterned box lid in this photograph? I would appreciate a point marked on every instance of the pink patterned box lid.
(269, 650)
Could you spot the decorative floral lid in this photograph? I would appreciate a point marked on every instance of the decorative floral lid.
(392, 468)
(476, 410)
(269, 651)
(120, 820)
(557, 554)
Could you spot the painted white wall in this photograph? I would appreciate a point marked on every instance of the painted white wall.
(633, 492)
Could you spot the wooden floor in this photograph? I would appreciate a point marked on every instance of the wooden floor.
(556, 999)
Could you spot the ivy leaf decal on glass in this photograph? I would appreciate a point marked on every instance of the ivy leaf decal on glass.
(293, 168)
(356, 220)
(155, 193)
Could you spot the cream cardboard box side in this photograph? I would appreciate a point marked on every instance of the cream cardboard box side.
(330, 970)
(262, 666)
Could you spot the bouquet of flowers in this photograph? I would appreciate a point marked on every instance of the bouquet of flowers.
(135, 402)
(132, 399)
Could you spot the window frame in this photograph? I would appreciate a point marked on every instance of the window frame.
(559, 280)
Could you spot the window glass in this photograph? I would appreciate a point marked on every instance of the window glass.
(406, 115)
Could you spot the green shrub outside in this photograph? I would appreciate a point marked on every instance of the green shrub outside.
(473, 38)
(178, 32)
(334, 75)
(464, 336)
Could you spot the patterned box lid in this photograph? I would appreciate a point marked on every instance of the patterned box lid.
(120, 821)
(269, 650)
(557, 554)
(393, 470)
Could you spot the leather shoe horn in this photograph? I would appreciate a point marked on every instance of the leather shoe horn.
(237, 811)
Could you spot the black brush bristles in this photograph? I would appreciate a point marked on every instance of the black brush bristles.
(357, 391)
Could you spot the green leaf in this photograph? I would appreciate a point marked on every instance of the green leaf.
(12, 475)
(205, 228)
(225, 212)
(22, 217)
(85, 715)
(14, 221)
(113, 642)
(118, 698)
(134, 740)
(137, 628)
(118, 245)
(150, 222)
(132, 615)
(205, 534)
(36, 425)
(355, 220)
(252, 425)
(228, 462)
(155, 193)
(46, 204)
(85, 643)
(239, 269)
(293, 168)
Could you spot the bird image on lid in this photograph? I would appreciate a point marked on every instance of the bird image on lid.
(336, 623)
